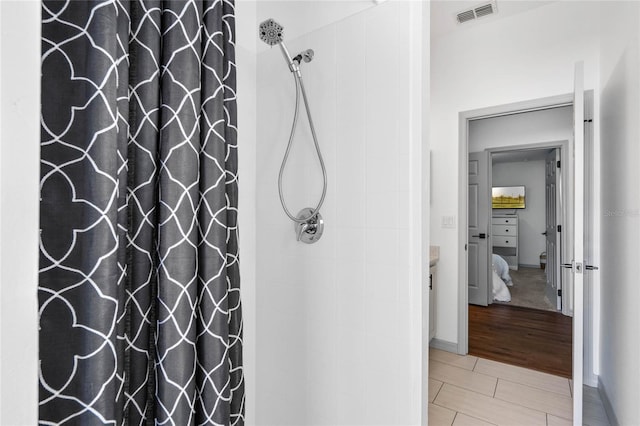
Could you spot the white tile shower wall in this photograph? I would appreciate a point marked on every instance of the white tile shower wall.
(20, 136)
(332, 337)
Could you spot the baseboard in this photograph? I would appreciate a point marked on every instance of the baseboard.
(523, 265)
(608, 408)
(590, 380)
(444, 345)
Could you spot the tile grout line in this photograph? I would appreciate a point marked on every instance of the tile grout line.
(534, 409)
(530, 385)
(454, 418)
(465, 370)
(474, 417)
(439, 389)
(541, 374)
(546, 391)
(466, 414)
(501, 400)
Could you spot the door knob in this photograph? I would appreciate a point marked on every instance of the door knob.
(481, 236)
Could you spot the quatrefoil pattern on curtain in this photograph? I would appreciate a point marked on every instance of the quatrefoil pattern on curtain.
(139, 294)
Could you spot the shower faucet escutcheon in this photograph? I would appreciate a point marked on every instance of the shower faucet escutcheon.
(310, 231)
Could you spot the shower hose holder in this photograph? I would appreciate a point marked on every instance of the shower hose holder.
(310, 231)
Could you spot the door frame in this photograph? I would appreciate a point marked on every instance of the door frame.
(463, 149)
(563, 203)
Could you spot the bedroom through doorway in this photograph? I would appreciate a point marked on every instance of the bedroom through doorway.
(525, 240)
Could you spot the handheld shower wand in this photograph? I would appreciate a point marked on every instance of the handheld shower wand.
(272, 33)
(308, 223)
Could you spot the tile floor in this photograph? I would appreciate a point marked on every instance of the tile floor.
(467, 390)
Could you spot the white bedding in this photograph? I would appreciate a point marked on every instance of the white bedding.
(500, 279)
(500, 291)
(502, 269)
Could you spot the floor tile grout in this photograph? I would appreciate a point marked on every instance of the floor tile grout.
(439, 389)
(534, 409)
(499, 399)
(474, 364)
(497, 380)
(486, 396)
(535, 388)
(464, 369)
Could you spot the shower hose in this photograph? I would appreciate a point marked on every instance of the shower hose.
(300, 88)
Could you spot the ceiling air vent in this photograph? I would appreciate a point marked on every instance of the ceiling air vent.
(477, 12)
(465, 16)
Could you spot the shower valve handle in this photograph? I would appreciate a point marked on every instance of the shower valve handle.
(302, 228)
(311, 229)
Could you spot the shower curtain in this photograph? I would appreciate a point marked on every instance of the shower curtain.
(139, 298)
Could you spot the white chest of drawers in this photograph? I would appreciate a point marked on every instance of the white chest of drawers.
(504, 233)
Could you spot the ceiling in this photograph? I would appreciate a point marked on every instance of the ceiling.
(300, 17)
(519, 156)
(443, 13)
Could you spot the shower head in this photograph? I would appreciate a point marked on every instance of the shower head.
(270, 32)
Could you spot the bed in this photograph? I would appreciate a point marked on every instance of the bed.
(500, 279)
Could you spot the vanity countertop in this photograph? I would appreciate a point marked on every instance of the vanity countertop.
(434, 255)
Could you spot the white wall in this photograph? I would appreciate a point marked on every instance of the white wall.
(527, 56)
(547, 125)
(335, 320)
(20, 171)
(620, 232)
(531, 220)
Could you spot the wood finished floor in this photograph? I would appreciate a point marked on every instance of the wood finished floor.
(531, 338)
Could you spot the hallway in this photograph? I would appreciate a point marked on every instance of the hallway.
(530, 338)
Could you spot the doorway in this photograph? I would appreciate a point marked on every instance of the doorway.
(572, 270)
(525, 190)
(515, 199)
(503, 141)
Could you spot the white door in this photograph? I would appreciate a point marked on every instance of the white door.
(478, 250)
(578, 241)
(551, 228)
